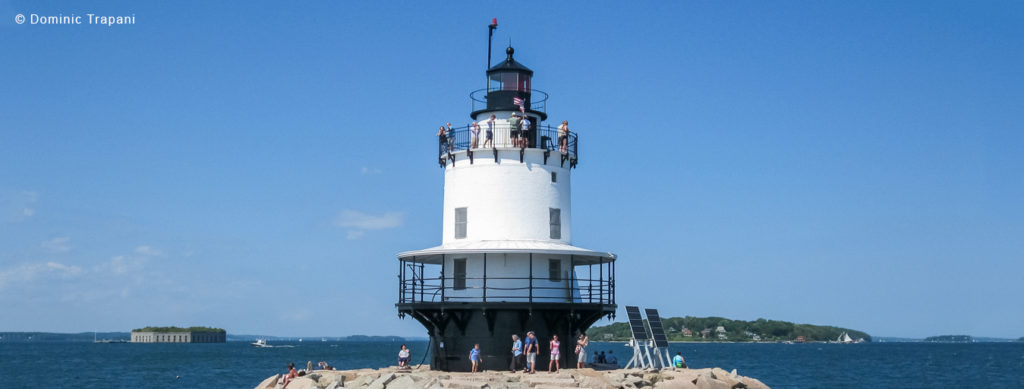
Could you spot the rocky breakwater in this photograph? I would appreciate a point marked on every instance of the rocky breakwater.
(424, 378)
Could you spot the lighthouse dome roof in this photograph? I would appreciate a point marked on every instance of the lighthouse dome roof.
(509, 65)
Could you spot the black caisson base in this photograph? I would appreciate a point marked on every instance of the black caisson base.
(455, 328)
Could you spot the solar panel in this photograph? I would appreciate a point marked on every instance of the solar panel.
(636, 323)
(657, 330)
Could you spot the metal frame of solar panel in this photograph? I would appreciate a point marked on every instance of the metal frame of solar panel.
(636, 323)
(641, 341)
(657, 329)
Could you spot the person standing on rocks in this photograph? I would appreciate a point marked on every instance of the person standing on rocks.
(532, 347)
(581, 350)
(517, 353)
(474, 356)
(555, 354)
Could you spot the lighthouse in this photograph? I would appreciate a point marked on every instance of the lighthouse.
(506, 264)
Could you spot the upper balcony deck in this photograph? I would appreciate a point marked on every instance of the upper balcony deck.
(544, 137)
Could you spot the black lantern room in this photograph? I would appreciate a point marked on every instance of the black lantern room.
(507, 81)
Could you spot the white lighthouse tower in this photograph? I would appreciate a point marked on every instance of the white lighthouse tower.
(506, 264)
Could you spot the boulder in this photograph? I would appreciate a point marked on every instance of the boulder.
(595, 383)
(684, 374)
(727, 377)
(458, 384)
(632, 382)
(652, 377)
(361, 381)
(674, 384)
(542, 380)
(302, 383)
(382, 381)
(754, 383)
(704, 382)
(269, 383)
(403, 382)
(327, 377)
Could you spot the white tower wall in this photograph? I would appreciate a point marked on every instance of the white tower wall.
(507, 200)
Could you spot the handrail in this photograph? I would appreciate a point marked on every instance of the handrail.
(577, 290)
(539, 136)
(538, 99)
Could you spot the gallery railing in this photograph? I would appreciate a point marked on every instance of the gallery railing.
(537, 137)
(538, 100)
(414, 287)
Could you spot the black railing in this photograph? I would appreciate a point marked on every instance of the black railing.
(504, 136)
(414, 287)
(538, 100)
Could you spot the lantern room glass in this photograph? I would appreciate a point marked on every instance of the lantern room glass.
(509, 81)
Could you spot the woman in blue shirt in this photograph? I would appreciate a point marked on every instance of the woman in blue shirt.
(474, 356)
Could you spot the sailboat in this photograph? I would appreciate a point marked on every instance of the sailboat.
(844, 338)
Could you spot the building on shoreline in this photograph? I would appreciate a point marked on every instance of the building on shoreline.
(178, 335)
(506, 264)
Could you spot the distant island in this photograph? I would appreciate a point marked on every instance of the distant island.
(179, 335)
(720, 329)
(1021, 339)
(950, 339)
(12, 337)
(178, 329)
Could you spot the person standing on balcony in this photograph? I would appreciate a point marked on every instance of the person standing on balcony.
(513, 129)
(451, 137)
(475, 135)
(563, 137)
(524, 138)
(442, 138)
(490, 132)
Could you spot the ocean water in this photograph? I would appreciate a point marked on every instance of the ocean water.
(239, 365)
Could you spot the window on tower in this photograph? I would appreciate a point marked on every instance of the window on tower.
(556, 222)
(459, 274)
(554, 270)
(460, 223)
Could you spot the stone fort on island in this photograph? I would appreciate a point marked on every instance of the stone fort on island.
(179, 335)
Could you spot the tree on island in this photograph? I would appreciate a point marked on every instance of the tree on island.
(736, 330)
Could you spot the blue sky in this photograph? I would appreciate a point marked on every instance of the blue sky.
(257, 167)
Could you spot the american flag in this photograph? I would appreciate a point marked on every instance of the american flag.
(519, 101)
